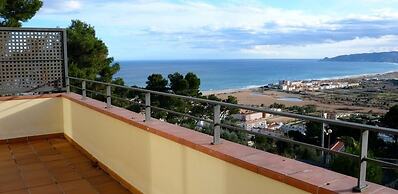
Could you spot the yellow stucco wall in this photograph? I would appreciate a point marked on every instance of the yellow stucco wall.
(29, 117)
(156, 165)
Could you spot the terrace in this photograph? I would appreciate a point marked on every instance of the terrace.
(68, 143)
(50, 164)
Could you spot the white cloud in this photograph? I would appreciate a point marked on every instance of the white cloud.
(61, 6)
(330, 49)
(167, 17)
(152, 26)
(188, 16)
(73, 4)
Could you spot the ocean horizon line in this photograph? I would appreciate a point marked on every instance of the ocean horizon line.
(243, 59)
(230, 59)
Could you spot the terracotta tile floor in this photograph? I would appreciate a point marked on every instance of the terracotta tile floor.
(51, 166)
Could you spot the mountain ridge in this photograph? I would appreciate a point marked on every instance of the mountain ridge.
(391, 57)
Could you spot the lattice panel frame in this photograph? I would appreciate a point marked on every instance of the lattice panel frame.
(32, 60)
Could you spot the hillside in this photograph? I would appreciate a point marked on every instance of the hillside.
(391, 57)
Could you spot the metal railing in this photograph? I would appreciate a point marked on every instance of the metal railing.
(362, 158)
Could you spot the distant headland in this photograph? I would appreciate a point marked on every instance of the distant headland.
(391, 57)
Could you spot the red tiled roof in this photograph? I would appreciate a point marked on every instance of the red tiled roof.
(338, 146)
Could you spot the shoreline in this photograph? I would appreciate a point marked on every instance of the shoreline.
(320, 99)
(347, 77)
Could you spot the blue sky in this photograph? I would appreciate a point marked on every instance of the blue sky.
(177, 29)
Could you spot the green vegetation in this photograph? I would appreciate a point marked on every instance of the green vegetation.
(391, 117)
(384, 149)
(378, 148)
(350, 167)
(277, 105)
(187, 85)
(2, 4)
(380, 94)
(88, 55)
(306, 109)
(14, 12)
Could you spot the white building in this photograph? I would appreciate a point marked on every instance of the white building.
(299, 128)
(313, 85)
(252, 120)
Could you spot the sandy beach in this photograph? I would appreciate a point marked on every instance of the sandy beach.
(255, 96)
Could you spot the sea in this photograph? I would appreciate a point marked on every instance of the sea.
(232, 74)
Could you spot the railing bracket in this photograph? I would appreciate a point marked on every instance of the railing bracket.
(360, 189)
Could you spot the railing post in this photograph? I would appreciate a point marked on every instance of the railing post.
(108, 97)
(67, 83)
(362, 163)
(84, 92)
(147, 106)
(324, 115)
(216, 125)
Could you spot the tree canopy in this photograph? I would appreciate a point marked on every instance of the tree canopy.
(14, 12)
(157, 82)
(188, 85)
(2, 4)
(88, 55)
(391, 117)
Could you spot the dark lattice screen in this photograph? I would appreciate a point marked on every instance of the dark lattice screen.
(32, 60)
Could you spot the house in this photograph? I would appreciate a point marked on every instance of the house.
(252, 120)
(338, 146)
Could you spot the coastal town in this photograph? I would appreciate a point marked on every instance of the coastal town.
(314, 85)
(321, 98)
(375, 93)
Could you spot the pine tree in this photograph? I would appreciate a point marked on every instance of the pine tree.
(88, 55)
(14, 12)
